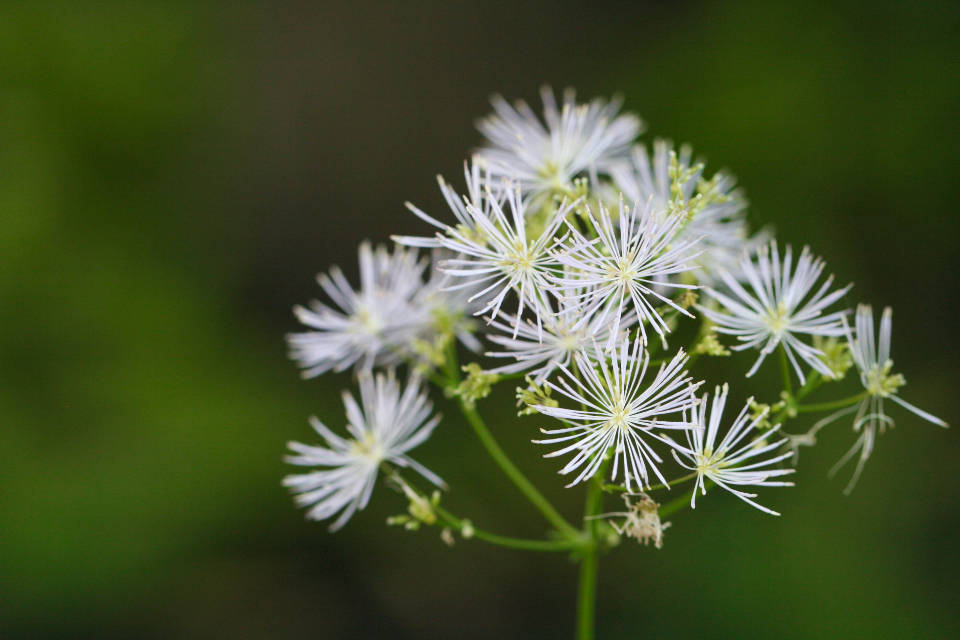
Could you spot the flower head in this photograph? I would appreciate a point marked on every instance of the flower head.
(737, 460)
(446, 311)
(871, 355)
(386, 424)
(776, 306)
(623, 269)
(482, 192)
(617, 413)
(368, 326)
(572, 140)
(496, 255)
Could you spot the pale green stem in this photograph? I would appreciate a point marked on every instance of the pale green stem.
(589, 565)
(508, 541)
(785, 371)
(656, 487)
(493, 538)
(676, 505)
(836, 404)
(512, 472)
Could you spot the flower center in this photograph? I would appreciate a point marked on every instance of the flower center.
(880, 382)
(618, 415)
(519, 260)
(367, 322)
(778, 319)
(623, 269)
(367, 447)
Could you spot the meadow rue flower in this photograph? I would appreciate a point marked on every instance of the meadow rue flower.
(546, 156)
(386, 424)
(446, 311)
(369, 326)
(623, 269)
(617, 413)
(716, 215)
(871, 355)
(738, 459)
(776, 306)
(482, 192)
(499, 257)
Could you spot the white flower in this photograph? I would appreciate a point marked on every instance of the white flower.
(627, 263)
(371, 325)
(617, 413)
(384, 427)
(778, 307)
(540, 350)
(733, 462)
(496, 255)
(481, 193)
(445, 309)
(719, 221)
(573, 140)
(872, 358)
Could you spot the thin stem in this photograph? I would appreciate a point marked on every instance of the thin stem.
(489, 443)
(589, 565)
(586, 595)
(814, 381)
(836, 404)
(676, 505)
(785, 370)
(508, 541)
(512, 472)
(656, 487)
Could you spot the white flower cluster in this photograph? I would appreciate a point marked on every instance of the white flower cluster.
(581, 254)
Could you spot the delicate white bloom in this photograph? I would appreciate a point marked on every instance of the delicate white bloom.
(719, 222)
(616, 412)
(370, 325)
(482, 191)
(540, 350)
(446, 309)
(573, 140)
(737, 460)
(776, 306)
(496, 255)
(627, 263)
(872, 357)
(385, 425)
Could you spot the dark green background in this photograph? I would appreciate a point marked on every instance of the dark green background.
(171, 177)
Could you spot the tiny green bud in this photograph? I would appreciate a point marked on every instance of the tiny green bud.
(709, 345)
(477, 385)
(532, 396)
(836, 355)
(760, 412)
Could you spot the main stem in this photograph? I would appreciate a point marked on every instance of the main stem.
(587, 588)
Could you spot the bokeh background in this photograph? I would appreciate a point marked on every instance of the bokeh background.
(172, 175)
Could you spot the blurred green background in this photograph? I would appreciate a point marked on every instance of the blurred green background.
(173, 174)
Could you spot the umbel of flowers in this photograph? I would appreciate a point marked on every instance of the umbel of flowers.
(590, 273)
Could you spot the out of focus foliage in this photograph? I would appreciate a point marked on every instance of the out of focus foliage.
(172, 176)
